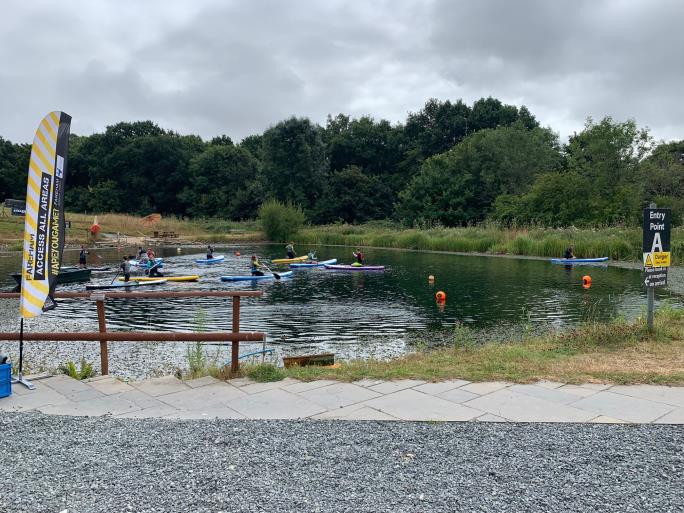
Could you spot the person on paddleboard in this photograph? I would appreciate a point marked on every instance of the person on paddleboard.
(359, 257)
(290, 250)
(82, 257)
(210, 252)
(153, 269)
(256, 266)
(126, 269)
(570, 253)
(141, 253)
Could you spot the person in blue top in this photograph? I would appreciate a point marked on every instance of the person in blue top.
(153, 269)
(256, 266)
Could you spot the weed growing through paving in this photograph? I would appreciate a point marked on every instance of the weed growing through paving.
(86, 371)
(264, 373)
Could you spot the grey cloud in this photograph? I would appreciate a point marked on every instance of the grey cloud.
(213, 67)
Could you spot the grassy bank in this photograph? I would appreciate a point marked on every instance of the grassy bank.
(619, 352)
(616, 243)
(196, 230)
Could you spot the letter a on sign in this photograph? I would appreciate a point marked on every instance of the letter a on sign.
(657, 243)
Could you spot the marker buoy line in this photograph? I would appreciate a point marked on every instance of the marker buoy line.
(586, 281)
(440, 296)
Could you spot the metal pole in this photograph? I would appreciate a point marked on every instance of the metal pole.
(104, 353)
(650, 297)
(235, 354)
(20, 377)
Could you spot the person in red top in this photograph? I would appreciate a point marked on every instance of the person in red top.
(359, 257)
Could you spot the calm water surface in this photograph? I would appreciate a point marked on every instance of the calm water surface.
(352, 314)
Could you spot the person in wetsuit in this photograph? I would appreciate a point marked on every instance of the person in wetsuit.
(82, 257)
(570, 253)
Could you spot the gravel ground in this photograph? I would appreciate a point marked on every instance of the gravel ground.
(53, 464)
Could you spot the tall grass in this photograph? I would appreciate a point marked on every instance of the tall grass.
(616, 243)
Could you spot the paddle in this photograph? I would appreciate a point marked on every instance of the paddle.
(275, 274)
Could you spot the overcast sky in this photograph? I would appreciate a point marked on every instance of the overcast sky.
(213, 67)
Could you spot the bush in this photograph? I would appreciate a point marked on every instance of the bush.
(264, 373)
(280, 222)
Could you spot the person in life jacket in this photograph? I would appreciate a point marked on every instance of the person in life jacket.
(256, 266)
(290, 250)
(359, 257)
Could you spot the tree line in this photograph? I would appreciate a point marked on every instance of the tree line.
(448, 164)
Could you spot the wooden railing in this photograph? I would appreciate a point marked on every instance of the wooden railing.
(104, 336)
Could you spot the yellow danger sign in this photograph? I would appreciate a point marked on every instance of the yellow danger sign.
(657, 259)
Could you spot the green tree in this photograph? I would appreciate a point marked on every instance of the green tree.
(295, 167)
(222, 183)
(354, 197)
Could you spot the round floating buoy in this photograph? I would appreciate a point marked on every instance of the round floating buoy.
(586, 281)
(237, 253)
(431, 278)
(440, 296)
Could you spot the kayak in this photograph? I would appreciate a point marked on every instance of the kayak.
(193, 277)
(290, 260)
(314, 264)
(124, 284)
(158, 260)
(577, 260)
(345, 267)
(214, 260)
(286, 274)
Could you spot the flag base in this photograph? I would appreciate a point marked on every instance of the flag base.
(21, 380)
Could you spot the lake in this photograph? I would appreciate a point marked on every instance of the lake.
(356, 314)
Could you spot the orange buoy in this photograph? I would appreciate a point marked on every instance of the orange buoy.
(95, 229)
(431, 278)
(440, 296)
(237, 253)
(586, 281)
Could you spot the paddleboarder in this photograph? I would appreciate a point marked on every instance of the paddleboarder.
(210, 252)
(290, 250)
(82, 257)
(570, 253)
(359, 257)
(141, 253)
(126, 269)
(256, 266)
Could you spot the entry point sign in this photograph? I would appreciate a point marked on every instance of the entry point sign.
(656, 246)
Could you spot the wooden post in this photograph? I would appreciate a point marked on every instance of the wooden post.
(104, 353)
(234, 362)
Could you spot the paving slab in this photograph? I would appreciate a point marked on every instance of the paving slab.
(141, 399)
(599, 387)
(660, 394)
(485, 387)
(389, 387)
(200, 382)
(41, 396)
(354, 412)
(577, 390)
(524, 408)
(240, 382)
(275, 404)
(443, 386)
(488, 417)
(110, 386)
(106, 405)
(202, 398)
(148, 413)
(623, 407)
(255, 388)
(411, 405)
(309, 385)
(602, 419)
(556, 395)
(548, 384)
(367, 382)
(339, 395)
(160, 386)
(214, 413)
(674, 417)
(456, 395)
(85, 395)
(65, 385)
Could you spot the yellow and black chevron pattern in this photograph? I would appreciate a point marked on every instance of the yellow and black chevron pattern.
(36, 270)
